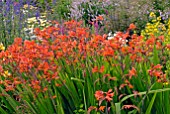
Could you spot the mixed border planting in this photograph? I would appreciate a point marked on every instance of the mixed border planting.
(62, 64)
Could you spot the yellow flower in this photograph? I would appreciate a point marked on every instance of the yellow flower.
(152, 14)
(146, 31)
(165, 83)
(31, 7)
(155, 30)
(31, 20)
(159, 18)
(6, 73)
(154, 20)
(2, 48)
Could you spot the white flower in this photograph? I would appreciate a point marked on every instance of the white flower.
(110, 38)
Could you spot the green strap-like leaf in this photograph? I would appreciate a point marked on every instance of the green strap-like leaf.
(148, 111)
(118, 108)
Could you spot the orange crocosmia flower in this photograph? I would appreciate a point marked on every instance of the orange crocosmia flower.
(122, 86)
(53, 97)
(158, 45)
(104, 36)
(109, 95)
(58, 85)
(91, 108)
(45, 89)
(158, 66)
(132, 72)
(168, 46)
(16, 81)
(108, 51)
(101, 108)
(158, 74)
(95, 69)
(124, 36)
(150, 41)
(132, 26)
(99, 18)
(29, 44)
(99, 95)
(18, 41)
(37, 30)
(59, 54)
(1, 68)
(114, 45)
(9, 88)
(133, 57)
(161, 38)
(101, 69)
(130, 106)
(130, 86)
(72, 34)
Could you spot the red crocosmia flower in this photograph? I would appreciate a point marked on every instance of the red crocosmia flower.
(99, 95)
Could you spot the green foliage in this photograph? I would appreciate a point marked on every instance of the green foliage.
(61, 9)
